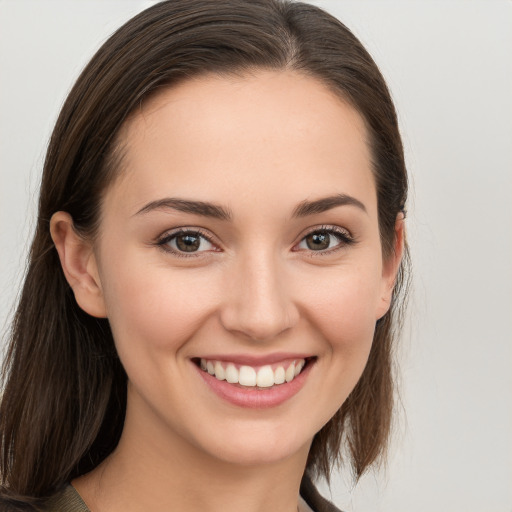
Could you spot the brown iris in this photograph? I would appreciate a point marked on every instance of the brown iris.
(318, 241)
(188, 242)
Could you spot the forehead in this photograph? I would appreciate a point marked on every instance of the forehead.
(277, 133)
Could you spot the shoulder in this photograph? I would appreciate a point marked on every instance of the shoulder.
(65, 500)
(314, 499)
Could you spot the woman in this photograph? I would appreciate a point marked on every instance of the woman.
(212, 293)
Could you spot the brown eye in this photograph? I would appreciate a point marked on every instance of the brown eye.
(188, 243)
(318, 241)
(325, 240)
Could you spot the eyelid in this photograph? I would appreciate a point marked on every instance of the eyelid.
(330, 228)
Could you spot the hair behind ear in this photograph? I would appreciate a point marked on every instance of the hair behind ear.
(60, 360)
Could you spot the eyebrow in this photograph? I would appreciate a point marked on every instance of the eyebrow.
(214, 211)
(306, 208)
(183, 205)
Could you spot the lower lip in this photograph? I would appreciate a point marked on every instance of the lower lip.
(255, 398)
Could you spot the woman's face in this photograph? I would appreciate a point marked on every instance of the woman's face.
(241, 242)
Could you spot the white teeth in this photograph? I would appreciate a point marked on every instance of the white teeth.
(231, 373)
(290, 373)
(279, 375)
(264, 377)
(219, 371)
(247, 376)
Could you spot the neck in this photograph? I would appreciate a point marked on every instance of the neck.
(154, 471)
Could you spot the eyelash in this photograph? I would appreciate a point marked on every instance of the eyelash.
(343, 236)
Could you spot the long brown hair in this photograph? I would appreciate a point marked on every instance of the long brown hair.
(64, 393)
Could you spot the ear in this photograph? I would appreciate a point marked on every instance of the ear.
(391, 266)
(79, 264)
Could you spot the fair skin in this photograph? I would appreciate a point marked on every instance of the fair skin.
(262, 277)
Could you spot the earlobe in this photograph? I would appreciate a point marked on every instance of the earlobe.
(78, 264)
(391, 266)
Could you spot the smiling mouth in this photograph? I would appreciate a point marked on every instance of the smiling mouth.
(257, 377)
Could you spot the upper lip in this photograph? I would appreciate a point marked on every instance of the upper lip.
(256, 360)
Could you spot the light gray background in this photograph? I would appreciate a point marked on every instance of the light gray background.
(449, 66)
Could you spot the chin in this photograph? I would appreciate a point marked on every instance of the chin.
(261, 449)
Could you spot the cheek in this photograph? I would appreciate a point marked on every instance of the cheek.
(343, 313)
(156, 308)
(343, 306)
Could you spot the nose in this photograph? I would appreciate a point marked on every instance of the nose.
(258, 302)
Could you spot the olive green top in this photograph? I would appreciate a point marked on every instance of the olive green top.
(68, 500)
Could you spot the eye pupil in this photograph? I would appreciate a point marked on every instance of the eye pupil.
(318, 241)
(188, 242)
